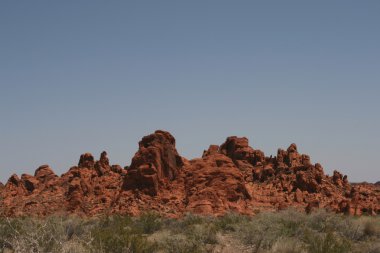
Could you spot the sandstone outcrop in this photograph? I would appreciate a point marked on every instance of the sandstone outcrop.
(213, 185)
(230, 177)
(156, 163)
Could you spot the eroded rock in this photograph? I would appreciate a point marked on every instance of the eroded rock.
(229, 177)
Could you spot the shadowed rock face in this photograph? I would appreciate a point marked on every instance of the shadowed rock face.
(229, 177)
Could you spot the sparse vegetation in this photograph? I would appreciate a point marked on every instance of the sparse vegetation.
(281, 232)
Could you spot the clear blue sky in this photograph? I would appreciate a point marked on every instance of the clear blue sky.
(87, 76)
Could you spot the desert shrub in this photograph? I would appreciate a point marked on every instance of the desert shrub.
(8, 228)
(38, 235)
(107, 241)
(366, 247)
(202, 233)
(73, 247)
(180, 244)
(263, 230)
(326, 243)
(317, 232)
(269, 232)
(317, 220)
(188, 220)
(371, 227)
(374, 248)
(260, 233)
(230, 221)
(119, 234)
(192, 233)
(349, 227)
(149, 222)
(290, 222)
(288, 245)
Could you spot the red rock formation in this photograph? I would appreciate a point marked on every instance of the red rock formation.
(213, 185)
(241, 153)
(86, 161)
(229, 177)
(45, 174)
(156, 163)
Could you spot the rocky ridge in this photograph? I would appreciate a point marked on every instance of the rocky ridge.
(230, 177)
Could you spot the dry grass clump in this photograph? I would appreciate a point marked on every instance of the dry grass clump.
(287, 231)
(53, 234)
(320, 232)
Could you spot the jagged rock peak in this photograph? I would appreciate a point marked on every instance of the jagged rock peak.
(104, 159)
(86, 161)
(292, 148)
(103, 165)
(14, 179)
(44, 173)
(236, 148)
(212, 150)
(243, 155)
(230, 177)
(159, 136)
(156, 161)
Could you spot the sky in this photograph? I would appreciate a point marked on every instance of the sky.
(88, 76)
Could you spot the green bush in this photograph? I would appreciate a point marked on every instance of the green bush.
(120, 234)
(185, 222)
(180, 244)
(149, 222)
(327, 243)
(371, 228)
(230, 221)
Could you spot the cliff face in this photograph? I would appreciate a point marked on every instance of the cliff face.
(230, 177)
